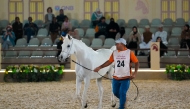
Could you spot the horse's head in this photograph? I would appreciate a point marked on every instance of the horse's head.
(67, 48)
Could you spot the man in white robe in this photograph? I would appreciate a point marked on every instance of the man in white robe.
(162, 34)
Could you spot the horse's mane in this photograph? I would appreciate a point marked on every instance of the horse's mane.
(83, 44)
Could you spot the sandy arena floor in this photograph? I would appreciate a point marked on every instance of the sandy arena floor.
(61, 95)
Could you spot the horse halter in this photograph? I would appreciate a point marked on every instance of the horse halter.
(68, 46)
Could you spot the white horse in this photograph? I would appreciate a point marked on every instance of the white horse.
(90, 59)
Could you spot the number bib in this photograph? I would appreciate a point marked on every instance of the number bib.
(122, 63)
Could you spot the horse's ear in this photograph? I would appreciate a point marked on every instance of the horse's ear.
(69, 37)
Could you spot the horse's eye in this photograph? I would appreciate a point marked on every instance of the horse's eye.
(68, 46)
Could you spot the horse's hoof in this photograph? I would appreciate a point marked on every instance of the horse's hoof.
(113, 105)
(86, 106)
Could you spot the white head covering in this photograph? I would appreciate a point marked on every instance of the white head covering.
(147, 26)
(121, 40)
(160, 26)
(98, 15)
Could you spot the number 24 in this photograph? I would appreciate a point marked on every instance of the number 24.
(119, 63)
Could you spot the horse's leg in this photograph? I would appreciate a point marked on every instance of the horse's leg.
(86, 85)
(78, 87)
(100, 89)
(113, 103)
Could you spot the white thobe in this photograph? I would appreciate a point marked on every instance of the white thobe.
(145, 45)
(163, 36)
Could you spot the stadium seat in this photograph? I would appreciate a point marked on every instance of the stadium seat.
(24, 22)
(24, 54)
(141, 30)
(132, 22)
(86, 41)
(156, 22)
(144, 22)
(173, 42)
(168, 22)
(37, 54)
(56, 41)
(96, 43)
(39, 23)
(183, 53)
(46, 42)
(153, 30)
(167, 30)
(102, 37)
(10, 54)
(34, 42)
(128, 31)
(180, 22)
(43, 32)
(13, 21)
(80, 32)
(170, 52)
(107, 21)
(21, 42)
(176, 32)
(85, 23)
(90, 32)
(121, 22)
(4, 23)
(50, 54)
(109, 42)
(74, 23)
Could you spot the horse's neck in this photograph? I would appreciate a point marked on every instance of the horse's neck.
(82, 51)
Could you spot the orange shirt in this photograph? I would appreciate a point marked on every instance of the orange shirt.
(133, 58)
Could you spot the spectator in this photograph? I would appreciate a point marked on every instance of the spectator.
(48, 17)
(185, 37)
(61, 17)
(134, 39)
(74, 34)
(121, 34)
(96, 16)
(8, 38)
(162, 34)
(30, 29)
(66, 25)
(113, 29)
(147, 37)
(162, 46)
(54, 29)
(17, 28)
(101, 28)
(59, 47)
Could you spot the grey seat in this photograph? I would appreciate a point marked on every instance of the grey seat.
(173, 42)
(155, 22)
(86, 41)
(43, 32)
(37, 54)
(109, 42)
(141, 30)
(180, 22)
(24, 54)
(132, 23)
(21, 42)
(121, 22)
(144, 22)
(90, 32)
(168, 22)
(46, 42)
(34, 42)
(10, 54)
(50, 54)
(80, 32)
(96, 43)
(85, 23)
(183, 53)
(153, 30)
(176, 32)
(128, 31)
(74, 23)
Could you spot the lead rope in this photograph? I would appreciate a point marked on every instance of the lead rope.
(108, 78)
